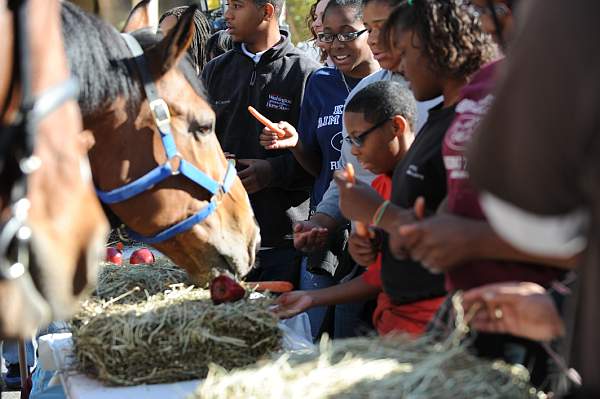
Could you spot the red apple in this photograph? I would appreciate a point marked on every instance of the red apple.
(225, 289)
(113, 255)
(142, 255)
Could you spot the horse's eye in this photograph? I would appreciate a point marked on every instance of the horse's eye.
(200, 129)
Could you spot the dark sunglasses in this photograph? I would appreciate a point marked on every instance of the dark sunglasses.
(359, 140)
(326, 37)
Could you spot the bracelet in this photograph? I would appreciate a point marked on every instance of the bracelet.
(378, 215)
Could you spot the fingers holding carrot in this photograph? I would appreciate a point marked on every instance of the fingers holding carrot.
(270, 139)
(361, 229)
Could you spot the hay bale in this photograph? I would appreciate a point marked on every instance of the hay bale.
(393, 367)
(377, 368)
(170, 337)
(114, 281)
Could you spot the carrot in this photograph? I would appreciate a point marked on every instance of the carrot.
(361, 229)
(272, 286)
(265, 121)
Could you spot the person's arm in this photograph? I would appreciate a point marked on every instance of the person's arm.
(445, 240)
(295, 302)
(312, 234)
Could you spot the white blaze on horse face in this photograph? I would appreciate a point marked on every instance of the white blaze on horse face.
(559, 235)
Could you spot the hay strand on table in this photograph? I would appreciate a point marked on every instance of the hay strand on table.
(171, 337)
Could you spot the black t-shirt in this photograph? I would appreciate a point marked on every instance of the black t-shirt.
(420, 173)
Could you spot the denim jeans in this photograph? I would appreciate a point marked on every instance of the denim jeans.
(309, 282)
(10, 352)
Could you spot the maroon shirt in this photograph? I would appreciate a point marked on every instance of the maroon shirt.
(462, 198)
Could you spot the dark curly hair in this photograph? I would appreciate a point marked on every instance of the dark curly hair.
(449, 31)
(310, 18)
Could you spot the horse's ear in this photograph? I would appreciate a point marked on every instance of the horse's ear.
(138, 18)
(177, 41)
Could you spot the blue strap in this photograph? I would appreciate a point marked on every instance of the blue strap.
(137, 186)
(197, 176)
(177, 228)
(230, 175)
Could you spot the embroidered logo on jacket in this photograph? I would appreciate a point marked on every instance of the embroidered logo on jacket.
(279, 103)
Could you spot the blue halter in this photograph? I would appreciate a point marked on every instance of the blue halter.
(162, 118)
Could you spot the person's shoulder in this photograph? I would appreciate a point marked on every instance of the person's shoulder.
(301, 58)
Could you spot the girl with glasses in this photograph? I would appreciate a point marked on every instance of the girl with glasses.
(316, 143)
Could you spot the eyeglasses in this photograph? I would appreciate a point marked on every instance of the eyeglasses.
(326, 37)
(359, 139)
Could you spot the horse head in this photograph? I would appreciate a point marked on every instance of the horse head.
(120, 109)
(52, 228)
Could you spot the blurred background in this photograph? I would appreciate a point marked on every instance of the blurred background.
(115, 11)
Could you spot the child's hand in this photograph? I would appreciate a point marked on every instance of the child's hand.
(358, 201)
(271, 141)
(362, 249)
(310, 236)
(292, 303)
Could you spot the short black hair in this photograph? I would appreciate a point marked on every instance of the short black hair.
(277, 4)
(219, 43)
(357, 5)
(382, 100)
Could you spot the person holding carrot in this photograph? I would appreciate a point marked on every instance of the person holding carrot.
(317, 142)
(421, 34)
(266, 71)
(379, 120)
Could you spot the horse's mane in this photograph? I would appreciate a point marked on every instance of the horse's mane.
(101, 61)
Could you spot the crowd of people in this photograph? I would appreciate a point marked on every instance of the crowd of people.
(400, 90)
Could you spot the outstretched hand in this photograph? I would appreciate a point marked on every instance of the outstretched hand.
(271, 141)
(310, 236)
(292, 303)
(521, 309)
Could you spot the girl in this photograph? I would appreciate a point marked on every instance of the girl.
(317, 142)
(437, 45)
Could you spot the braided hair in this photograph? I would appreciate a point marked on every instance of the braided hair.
(197, 49)
(450, 34)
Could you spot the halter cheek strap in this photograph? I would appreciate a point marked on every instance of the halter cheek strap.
(162, 118)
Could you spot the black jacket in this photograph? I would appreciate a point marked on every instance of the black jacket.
(275, 87)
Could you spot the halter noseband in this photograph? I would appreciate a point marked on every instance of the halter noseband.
(162, 118)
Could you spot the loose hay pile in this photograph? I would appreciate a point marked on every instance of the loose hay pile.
(375, 368)
(114, 281)
(170, 337)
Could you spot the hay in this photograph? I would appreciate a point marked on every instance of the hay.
(375, 368)
(114, 280)
(170, 337)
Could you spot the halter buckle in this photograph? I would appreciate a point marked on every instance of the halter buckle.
(160, 111)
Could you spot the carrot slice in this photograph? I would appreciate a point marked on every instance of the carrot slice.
(361, 229)
(272, 286)
(265, 121)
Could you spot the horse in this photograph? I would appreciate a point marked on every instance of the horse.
(155, 158)
(52, 228)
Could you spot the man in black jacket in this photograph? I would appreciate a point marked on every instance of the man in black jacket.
(266, 71)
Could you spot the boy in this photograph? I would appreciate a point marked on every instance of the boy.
(266, 71)
(379, 120)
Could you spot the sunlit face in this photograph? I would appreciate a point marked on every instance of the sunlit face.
(415, 66)
(381, 148)
(317, 24)
(243, 18)
(350, 57)
(375, 14)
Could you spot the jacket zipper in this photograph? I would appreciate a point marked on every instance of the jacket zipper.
(253, 77)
